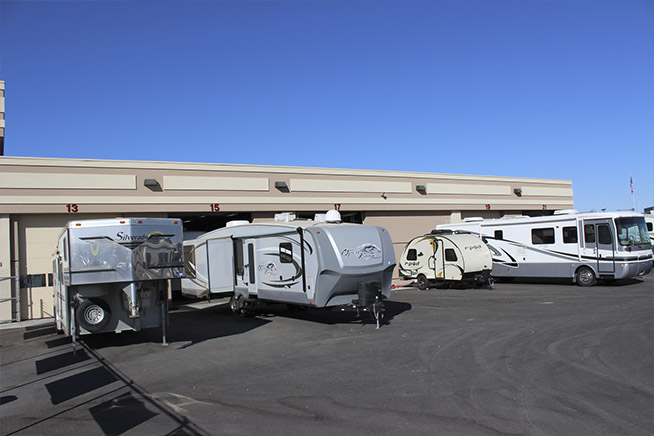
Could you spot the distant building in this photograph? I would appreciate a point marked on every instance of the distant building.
(39, 195)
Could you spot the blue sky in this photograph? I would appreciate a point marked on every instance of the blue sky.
(520, 88)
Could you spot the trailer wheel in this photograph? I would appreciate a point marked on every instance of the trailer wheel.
(93, 315)
(233, 304)
(422, 282)
(585, 277)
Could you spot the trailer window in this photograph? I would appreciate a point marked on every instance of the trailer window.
(650, 227)
(238, 257)
(286, 252)
(189, 262)
(569, 235)
(251, 262)
(412, 254)
(499, 235)
(65, 251)
(542, 236)
(589, 233)
(450, 255)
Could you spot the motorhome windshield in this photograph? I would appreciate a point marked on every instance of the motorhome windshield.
(632, 229)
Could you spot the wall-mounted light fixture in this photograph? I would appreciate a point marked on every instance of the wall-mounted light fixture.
(421, 189)
(150, 182)
(384, 195)
(517, 192)
(282, 186)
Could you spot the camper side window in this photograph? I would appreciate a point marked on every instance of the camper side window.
(450, 255)
(569, 235)
(650, 228)
(499, 235)
(412, 254)
(542, 236)
(589, 233)
(65, 251)
(286, 252)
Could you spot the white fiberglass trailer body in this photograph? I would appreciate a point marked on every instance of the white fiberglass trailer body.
(446, 257)
(111, 275)
(583, 246)
(649, 222)
(300, 262)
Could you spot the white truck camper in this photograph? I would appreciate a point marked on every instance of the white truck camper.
(447, 257)
(110, 275)
(319, 263)
(568, 244)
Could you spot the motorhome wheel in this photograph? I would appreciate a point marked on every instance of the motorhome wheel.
(93, 315)
(585, 277)
(422, 282)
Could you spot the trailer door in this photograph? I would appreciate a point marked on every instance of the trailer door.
(598, 240)
(280, 266)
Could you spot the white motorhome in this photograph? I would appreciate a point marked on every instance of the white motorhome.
(111, 275)
(320, 263)
(582, 246)
(447, 257)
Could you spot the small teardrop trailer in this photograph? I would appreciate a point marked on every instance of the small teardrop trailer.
(111, 275)
(319, 263)
(446, 257)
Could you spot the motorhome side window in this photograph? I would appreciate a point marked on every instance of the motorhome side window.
(286, 252)
(569, 235)
(589, 233)
(189, 261)
(450, 255)
(65, 251)
(412, 254)
(542, 236)
(499, 235)
(604, 234)
(650, 227)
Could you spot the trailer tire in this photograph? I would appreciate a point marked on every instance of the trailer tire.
(422, 282)
(93, 315)
(233, 304)
(585, 277)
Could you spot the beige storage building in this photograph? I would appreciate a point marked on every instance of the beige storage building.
(39, 195)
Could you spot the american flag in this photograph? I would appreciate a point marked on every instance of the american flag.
(631, 184)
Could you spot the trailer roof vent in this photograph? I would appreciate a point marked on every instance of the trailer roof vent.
(286, 216)
(237, 223)
(333, 216)
(320, 217)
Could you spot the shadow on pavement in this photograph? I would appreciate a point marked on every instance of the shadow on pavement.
(187, 327)
(335, 315)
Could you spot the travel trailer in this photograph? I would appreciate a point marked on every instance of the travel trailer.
(111, 275)
(568, 244)
(318, 263)
(447, 257)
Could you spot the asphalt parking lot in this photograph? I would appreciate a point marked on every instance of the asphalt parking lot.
(523, 359)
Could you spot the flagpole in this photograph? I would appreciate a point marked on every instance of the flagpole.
(631, 185)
